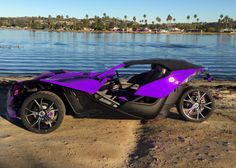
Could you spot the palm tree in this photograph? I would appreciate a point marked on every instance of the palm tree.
(169, 18)
(195, 16)
(87, 16)
(144, 18)
(134, 19)
(145, 21)
(67, 17)
(174, 20)
(221, 16)
(104, 15)
(188, 17)
(221, 20)
(197, 19)
(158, 19)
(227, 20)
(125, 18)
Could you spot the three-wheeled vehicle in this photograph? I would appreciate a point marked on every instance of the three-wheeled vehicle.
(41, 103)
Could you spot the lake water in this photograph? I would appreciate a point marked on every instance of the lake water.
(25, 52)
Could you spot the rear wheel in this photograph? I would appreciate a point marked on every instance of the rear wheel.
(196, 104)
(42, 112)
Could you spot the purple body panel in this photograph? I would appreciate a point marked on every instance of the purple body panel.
(163, 87)
(85, 82)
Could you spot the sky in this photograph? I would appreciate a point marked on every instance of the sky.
(207, 10)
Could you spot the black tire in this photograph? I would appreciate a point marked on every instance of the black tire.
(42, 112)
(193, 107)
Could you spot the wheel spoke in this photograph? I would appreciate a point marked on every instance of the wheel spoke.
(31, 112)
(201, 114)
(50, 124)
(188, 101)
(36, 122)
(207, 107)
(202, 96)
(198, 116)
(40, 107)
(39, 124)
(41, 102)
(190, 98)
(51, 105)
(207, 103)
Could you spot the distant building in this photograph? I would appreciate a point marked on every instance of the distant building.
(129, 29)
(143, 29)
(160, 31)
(147, 29)
(175, 29)
(227, 30)
(114, 29)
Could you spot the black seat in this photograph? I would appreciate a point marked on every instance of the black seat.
(155, 73)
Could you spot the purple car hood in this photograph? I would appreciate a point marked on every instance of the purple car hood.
(83, 81)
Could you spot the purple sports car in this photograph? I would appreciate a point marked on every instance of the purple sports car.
(41, 103)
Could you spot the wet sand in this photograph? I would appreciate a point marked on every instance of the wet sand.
(100, 142)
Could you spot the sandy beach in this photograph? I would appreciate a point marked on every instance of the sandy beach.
(115, 142)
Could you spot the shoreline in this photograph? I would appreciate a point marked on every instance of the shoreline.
(121, 32)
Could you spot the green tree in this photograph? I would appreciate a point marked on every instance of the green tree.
(221, 16)
(195, 16)
(169, 18)
(188, 18)
(144, 18)
(104, 15)
(158, 19)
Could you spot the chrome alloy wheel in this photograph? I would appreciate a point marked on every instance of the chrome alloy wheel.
(41, 113)
(197, 105)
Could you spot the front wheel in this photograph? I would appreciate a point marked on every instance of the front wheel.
(42, 112)
(196, 104)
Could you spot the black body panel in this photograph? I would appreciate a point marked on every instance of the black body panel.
(82, 103)
(143, 110)
(170, 64)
